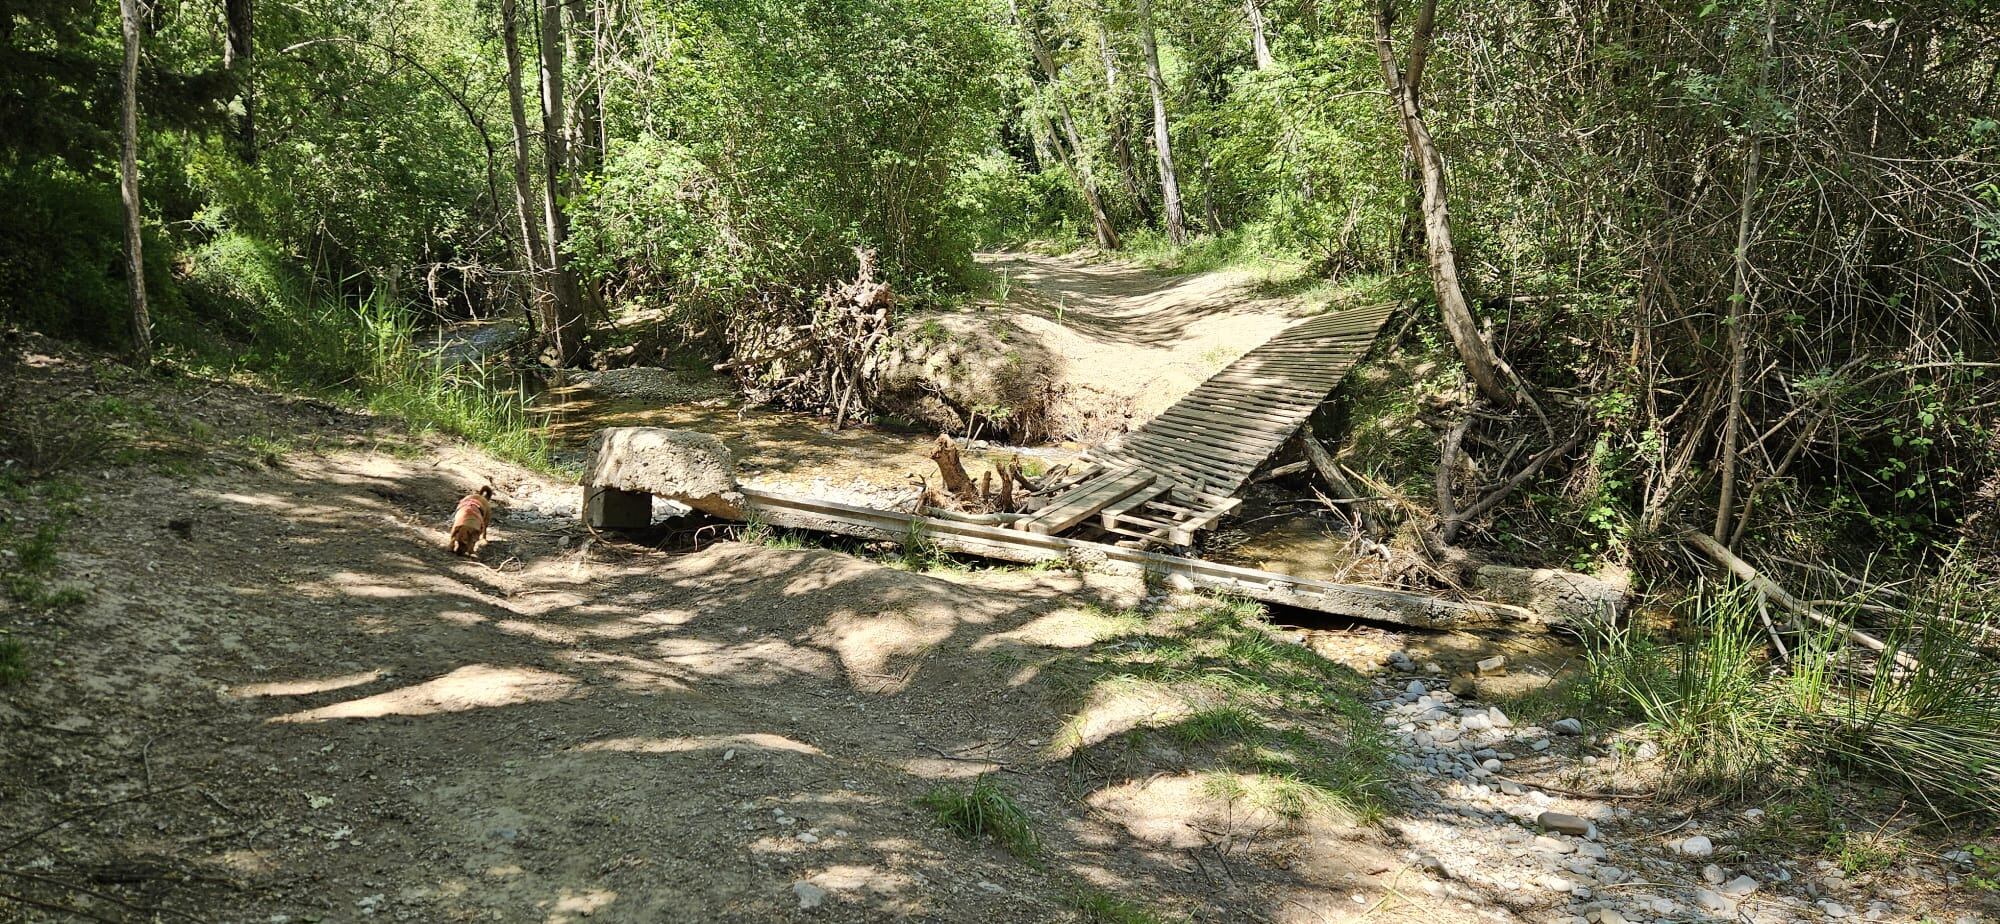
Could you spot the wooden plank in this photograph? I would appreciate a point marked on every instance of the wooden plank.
(1219, 415)
(1184, 533)
(1109, 516)
(1074, 508)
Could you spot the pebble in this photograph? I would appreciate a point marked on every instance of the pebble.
(1739, 887)
(1696, 846)
(1833, 909)
(807, 837)
(1500, 719)
(1610, 916)
(1567, 727)
(1712, 874)
(1563, 823)
(1539, 744)
(1710, 901)
(1417, 687)
(1553, 844)
(1493, 665)
(810, 896)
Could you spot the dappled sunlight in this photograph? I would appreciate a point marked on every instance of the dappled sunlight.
(1064, 628)
(476, 686)
(576, 905)
(870, 645)
(303, 687)
(758, 662)
(751, 741)
(1183, 810)
(1115, 707)
(637, 675)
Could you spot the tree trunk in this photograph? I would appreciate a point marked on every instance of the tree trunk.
(1119, 119)
(236, 54)
(1079, 159)
(566, 336)
(1170, 189)
(1481, 363)
(1258, 43)
(128, 182)
(531, 234)
(1739, 301)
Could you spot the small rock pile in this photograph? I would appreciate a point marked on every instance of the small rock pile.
(1480, 823)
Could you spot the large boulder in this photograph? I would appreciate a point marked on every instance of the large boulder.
(689, 468)
(1559, 597)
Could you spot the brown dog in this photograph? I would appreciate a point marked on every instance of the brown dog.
(468, 524)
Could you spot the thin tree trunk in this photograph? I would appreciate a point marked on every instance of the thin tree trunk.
(1258, 43)
(1170, 189)
(128, 182)
(1079, 158)
(1739, 301)
(236, 55)
(567, 335)
(1481, 363)
(1120, 121)
(531, 233)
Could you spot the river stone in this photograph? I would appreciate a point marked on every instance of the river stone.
(1563, 823)
(690, 468)
(1696, 846)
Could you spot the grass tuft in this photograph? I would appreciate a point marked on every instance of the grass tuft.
(14, 667)
(984, 810)
(1096, 906)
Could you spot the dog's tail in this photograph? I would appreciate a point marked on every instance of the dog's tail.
(486, 491)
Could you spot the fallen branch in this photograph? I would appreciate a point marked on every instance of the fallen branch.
(1454, 524)
(1749, 574)
(1328, 470)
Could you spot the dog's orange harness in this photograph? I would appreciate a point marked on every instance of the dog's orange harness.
(474, 503)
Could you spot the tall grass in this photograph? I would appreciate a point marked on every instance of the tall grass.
(474, 402)
(1732, 717)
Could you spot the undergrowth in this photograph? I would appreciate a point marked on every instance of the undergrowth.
(1733, 717)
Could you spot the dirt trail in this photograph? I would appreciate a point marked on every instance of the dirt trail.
(283, 701)
(1093, 349)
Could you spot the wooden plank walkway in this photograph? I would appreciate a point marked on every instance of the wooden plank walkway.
(1212, 440)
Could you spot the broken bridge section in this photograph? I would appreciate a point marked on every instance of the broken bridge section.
(1181, 471)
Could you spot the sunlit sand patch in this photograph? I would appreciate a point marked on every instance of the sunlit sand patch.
(754, 741)
(476, 686)
(868, 643)
(1066, 628)
(633, 673)
(937, 768)
(303, 687)
(574, 905)
(1115, 708)
(1183, 810)
(758, 662)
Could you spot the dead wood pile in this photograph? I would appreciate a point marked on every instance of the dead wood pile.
(1003, 489)
(820, 357)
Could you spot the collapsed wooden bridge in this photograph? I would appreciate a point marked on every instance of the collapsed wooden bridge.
(1180, 473)
(1164, 483)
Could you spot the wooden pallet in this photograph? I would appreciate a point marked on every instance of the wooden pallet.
(1089, 498)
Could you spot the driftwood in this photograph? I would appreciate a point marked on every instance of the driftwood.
(1455, 519)
(819, 356)
(1329, 471)
(993, 493)
(1749, 574)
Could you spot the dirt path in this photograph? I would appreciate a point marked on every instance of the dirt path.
(1073, 351)
(280, 700)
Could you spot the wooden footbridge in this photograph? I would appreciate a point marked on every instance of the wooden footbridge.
(1159, 487)
(1180, 472)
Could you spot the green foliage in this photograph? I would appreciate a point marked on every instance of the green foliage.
(1706, 696)
(1096, 906)
(984, 810)
(15, 667)
(1729, 720)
